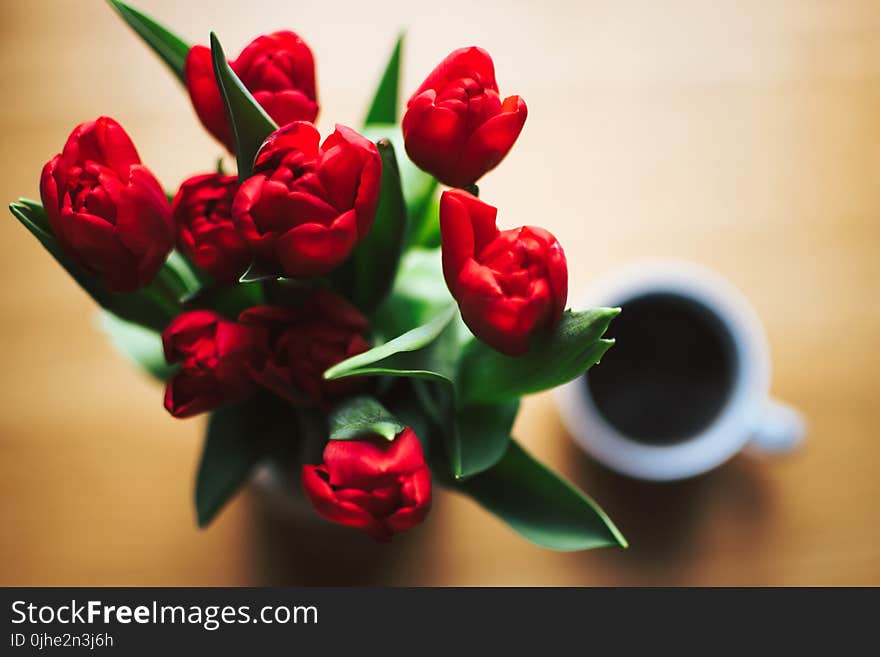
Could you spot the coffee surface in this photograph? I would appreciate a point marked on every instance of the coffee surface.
(669, 373)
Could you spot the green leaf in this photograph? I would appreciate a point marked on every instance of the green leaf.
(239, 435)
(175, 281)
(250, 122)
(425, 354)
(418, 295)
(401, 400)
(228, 458)
(187, 276)
(426, 231)
(363, 416)
(540, 505)
(36, 214)
(419, 188)
(386, 101)
(140, 345)
(475, 435)
(153, 306)
(386, 358)
(485, 375)
(474, 411)
(33, 217)
(167, 45)
(368, 274)
(483, 436)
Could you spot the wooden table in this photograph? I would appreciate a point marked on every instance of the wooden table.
(742, 135)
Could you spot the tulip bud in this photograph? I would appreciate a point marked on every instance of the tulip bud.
(508, 284)
(215, 356)
(202, 210)
(306, 206)
(107, 210)
(378, 486)
(303, 342)
(278, 70)
(456, 126)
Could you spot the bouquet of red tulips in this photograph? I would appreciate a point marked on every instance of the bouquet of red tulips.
(336, 315)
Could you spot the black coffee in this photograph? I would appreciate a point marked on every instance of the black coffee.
(669, 373)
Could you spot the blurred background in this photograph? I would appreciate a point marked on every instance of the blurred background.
(739, 134)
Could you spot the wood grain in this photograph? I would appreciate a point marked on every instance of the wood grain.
(742, 135)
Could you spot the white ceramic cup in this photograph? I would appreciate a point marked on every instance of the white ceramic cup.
(749, 417)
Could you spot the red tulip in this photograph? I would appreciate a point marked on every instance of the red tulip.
(508, 284)
(304, 341)
(107, 210)
(456, 126)
(215, 356)
(380, 487)
(308, 205)
(278, 69)
(202, 210)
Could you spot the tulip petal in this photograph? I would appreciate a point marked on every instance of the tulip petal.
(189, 334)
(275, 62)
(363, 174)
(297, 136)
(249, 197)
(491, 142)
(201, 82)
(339, 170)
(190, 392)
(557, 269)
(287, 106)
(337, 310)
(94, 244)
(202, 213)
(372, 485)
(370, 463)
(472, 62)
(303, 341)
(312, 248)
(231, 338)
(145, 225)
(501, 321)
(416, 491)
(326, 503)
(434, 137)
(103, 141)
(49, 191)
(271, 315)
(216, 354)
(119, 152)
(378, 502)
(466, 226)
(310, 204)
(298, 208)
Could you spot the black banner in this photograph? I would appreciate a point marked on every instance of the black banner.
(226, 621)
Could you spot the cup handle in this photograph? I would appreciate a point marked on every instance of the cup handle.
(780, 429)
